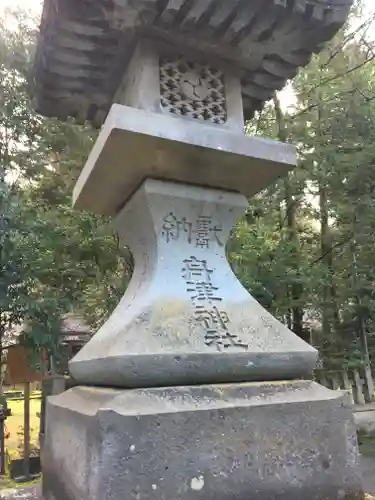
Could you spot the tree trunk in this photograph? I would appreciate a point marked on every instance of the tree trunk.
(359, 312)
(2, 420)
(295, 291)
(26, 430)
(329, 307)
(330, 314)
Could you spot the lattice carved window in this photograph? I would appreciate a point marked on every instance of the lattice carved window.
(192, 89)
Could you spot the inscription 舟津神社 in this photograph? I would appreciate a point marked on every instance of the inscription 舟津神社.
(205, 298)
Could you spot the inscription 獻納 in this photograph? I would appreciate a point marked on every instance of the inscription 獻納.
(200, 233)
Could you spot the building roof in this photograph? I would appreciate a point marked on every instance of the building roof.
(84, 45)
(73, 328)
(74, 324)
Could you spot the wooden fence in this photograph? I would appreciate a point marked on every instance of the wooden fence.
(357, 382)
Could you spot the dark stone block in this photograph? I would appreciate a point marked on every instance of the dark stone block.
(268, 441)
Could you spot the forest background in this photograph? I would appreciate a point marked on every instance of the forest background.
(304, 249)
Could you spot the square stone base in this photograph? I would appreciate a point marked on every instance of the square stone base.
(256, 441)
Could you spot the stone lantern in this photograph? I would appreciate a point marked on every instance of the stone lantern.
(190, 389)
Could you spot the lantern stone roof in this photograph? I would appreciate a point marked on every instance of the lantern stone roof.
(84, 45)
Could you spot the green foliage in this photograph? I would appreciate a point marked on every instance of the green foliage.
(311, 246)
(54, 259)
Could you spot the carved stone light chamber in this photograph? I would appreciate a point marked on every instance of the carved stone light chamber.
(193, 90)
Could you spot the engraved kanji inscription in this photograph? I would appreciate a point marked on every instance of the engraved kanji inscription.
(172, 228)
(204, 290)
(206, 300)
(201, 233)
(206, 231)
(196, 270)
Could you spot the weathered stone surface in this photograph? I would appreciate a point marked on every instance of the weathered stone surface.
(185, 318)
(368, 473)
(157, 80)
(84, 47)
(277, 441)
(134, 144)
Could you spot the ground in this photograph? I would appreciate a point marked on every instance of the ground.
(367, 447)
(30, 493)
(34, 492)
(368, 472)
(14, 425)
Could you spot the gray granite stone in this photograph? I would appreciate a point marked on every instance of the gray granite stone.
(155, 76)
(135, 144)
(185, 318)
(258, 441)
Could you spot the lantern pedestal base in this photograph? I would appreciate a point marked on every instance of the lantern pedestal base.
(264, 441)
